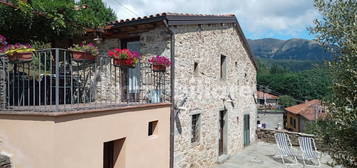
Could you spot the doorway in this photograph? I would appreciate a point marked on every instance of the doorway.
(130, 81)
(222, 132)
(246, 129)
(113, 154)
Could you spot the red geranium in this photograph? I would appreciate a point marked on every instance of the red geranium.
(127, 57)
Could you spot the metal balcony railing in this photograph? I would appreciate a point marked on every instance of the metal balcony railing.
(54, 82)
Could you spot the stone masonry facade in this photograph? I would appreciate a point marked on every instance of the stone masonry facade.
(152, 43)
(205, 92)
(201, 91)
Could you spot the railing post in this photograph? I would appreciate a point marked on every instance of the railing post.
(3, 81)
(57, 79)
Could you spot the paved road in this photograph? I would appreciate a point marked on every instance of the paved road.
(260, 155)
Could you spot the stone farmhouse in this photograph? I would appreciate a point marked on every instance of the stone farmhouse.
(197, 113)
(213, 81)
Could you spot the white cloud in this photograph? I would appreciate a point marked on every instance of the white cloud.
(255, 16)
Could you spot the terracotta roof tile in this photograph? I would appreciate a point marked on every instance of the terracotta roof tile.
(307, 109)
(167, 14)
(261, 95)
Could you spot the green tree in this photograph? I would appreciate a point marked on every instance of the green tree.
(96, 14)
(305, 85)
(337, 30)
(286, 100)
(55, 21)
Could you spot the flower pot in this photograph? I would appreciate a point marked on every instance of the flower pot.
(122, 63)
(20, 57)
(82, 56)
(159, 68)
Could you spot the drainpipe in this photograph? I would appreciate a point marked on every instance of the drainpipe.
(172, 88)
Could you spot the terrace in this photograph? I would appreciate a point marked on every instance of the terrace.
(261, 155)
(54, 82)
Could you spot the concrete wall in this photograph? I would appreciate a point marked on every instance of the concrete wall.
(76, 140)
(205, 92)
(271, 119)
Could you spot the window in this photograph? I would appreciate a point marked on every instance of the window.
(223, 67)
(195, 128)
(195, 69)
(294, 123)
(113, 154)
(130, 83)
(152, 128)
(291, 120)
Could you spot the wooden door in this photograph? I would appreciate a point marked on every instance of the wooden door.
(222, 134)
(246, 130)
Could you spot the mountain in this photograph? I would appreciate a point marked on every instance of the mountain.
(292, 49)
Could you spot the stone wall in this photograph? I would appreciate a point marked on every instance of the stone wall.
(207, 94)
(5, 161)
(152, 43)
(267, 135)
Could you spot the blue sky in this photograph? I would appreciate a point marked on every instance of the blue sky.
(282, 19)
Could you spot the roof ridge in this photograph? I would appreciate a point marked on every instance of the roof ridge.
(168, 14)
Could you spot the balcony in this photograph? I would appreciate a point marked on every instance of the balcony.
(54, 82)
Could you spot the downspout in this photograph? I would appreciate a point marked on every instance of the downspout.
(172, 88)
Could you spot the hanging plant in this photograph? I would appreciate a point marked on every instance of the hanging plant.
(18, 52)
(84, 52)
(124, 58)
(159, 63)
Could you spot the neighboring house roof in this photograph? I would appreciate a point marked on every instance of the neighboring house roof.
(262, 95)
(308, 109)
(172, 19)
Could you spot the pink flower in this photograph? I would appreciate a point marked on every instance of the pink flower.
(160, 60)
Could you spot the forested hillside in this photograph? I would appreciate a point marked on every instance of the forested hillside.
(294, 67)
(309, 84)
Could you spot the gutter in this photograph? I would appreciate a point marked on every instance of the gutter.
(172, 88)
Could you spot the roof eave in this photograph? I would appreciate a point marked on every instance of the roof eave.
(140, 21)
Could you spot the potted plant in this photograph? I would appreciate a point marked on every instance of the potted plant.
(159, 63)
(84, 52)
(18, 52)
(124, 58)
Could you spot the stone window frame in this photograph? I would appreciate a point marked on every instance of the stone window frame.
(196, 122)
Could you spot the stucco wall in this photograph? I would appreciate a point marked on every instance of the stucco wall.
(290, 124)
(74, 141)
(205, 90)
